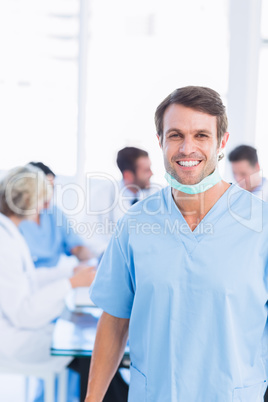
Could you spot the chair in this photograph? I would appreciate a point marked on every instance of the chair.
(47, 376)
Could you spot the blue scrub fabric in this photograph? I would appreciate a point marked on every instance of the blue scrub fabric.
(53, 237)
(196, 300)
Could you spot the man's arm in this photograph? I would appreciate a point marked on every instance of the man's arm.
(111, 338)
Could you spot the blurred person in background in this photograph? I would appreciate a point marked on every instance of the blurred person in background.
(246, 171)
(54, 245)
(50, 238)
(112, 199)
(30, 299)
(135, 167)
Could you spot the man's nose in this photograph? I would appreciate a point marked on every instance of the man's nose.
(187, 146)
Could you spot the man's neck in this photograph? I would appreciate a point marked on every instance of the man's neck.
(255, 181)
(132, 188)
(195, 206)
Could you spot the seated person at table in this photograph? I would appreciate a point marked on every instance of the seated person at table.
(49, 237)
(27, 307)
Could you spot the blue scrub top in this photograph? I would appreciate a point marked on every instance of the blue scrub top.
(196, 300)
(53, 237)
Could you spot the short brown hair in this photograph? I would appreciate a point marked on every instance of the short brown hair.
(244, 153)
(203, 99)
(127, 158)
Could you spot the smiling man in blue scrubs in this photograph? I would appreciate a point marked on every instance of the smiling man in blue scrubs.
(186, 273)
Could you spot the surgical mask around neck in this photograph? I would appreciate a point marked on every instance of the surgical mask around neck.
(204, 185)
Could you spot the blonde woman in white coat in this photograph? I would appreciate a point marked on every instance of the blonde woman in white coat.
(28, 303)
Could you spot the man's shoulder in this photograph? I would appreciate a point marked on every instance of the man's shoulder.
(149, 205)
(154, 188)
(247, 209)
(241, 195)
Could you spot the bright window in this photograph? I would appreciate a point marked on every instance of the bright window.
(138, 53)
(262, 105)
(38, 83)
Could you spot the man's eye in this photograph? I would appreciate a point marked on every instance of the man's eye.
(202, 135)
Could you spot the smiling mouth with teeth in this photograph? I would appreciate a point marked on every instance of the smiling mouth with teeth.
(188, 163)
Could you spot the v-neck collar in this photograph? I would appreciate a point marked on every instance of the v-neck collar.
(189, 238)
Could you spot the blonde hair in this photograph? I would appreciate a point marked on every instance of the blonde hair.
(23, 191)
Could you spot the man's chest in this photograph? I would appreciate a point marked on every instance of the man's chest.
(221, 259)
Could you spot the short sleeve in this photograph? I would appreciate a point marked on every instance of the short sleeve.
(113, 287)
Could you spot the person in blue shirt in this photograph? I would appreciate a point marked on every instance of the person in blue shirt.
(185, 274)
(50, 236)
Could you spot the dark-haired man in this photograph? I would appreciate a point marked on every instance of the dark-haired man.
(186, 274)
(113, 198)
(135, 166)
(246, 171)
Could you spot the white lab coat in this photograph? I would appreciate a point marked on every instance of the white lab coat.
(29, 300)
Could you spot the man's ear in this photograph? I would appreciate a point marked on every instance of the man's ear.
(159, 139)
(257, 166)
(224, 141)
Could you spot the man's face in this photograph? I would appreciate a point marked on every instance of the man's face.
(246, 175)
(189, 144)
(143, 172)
